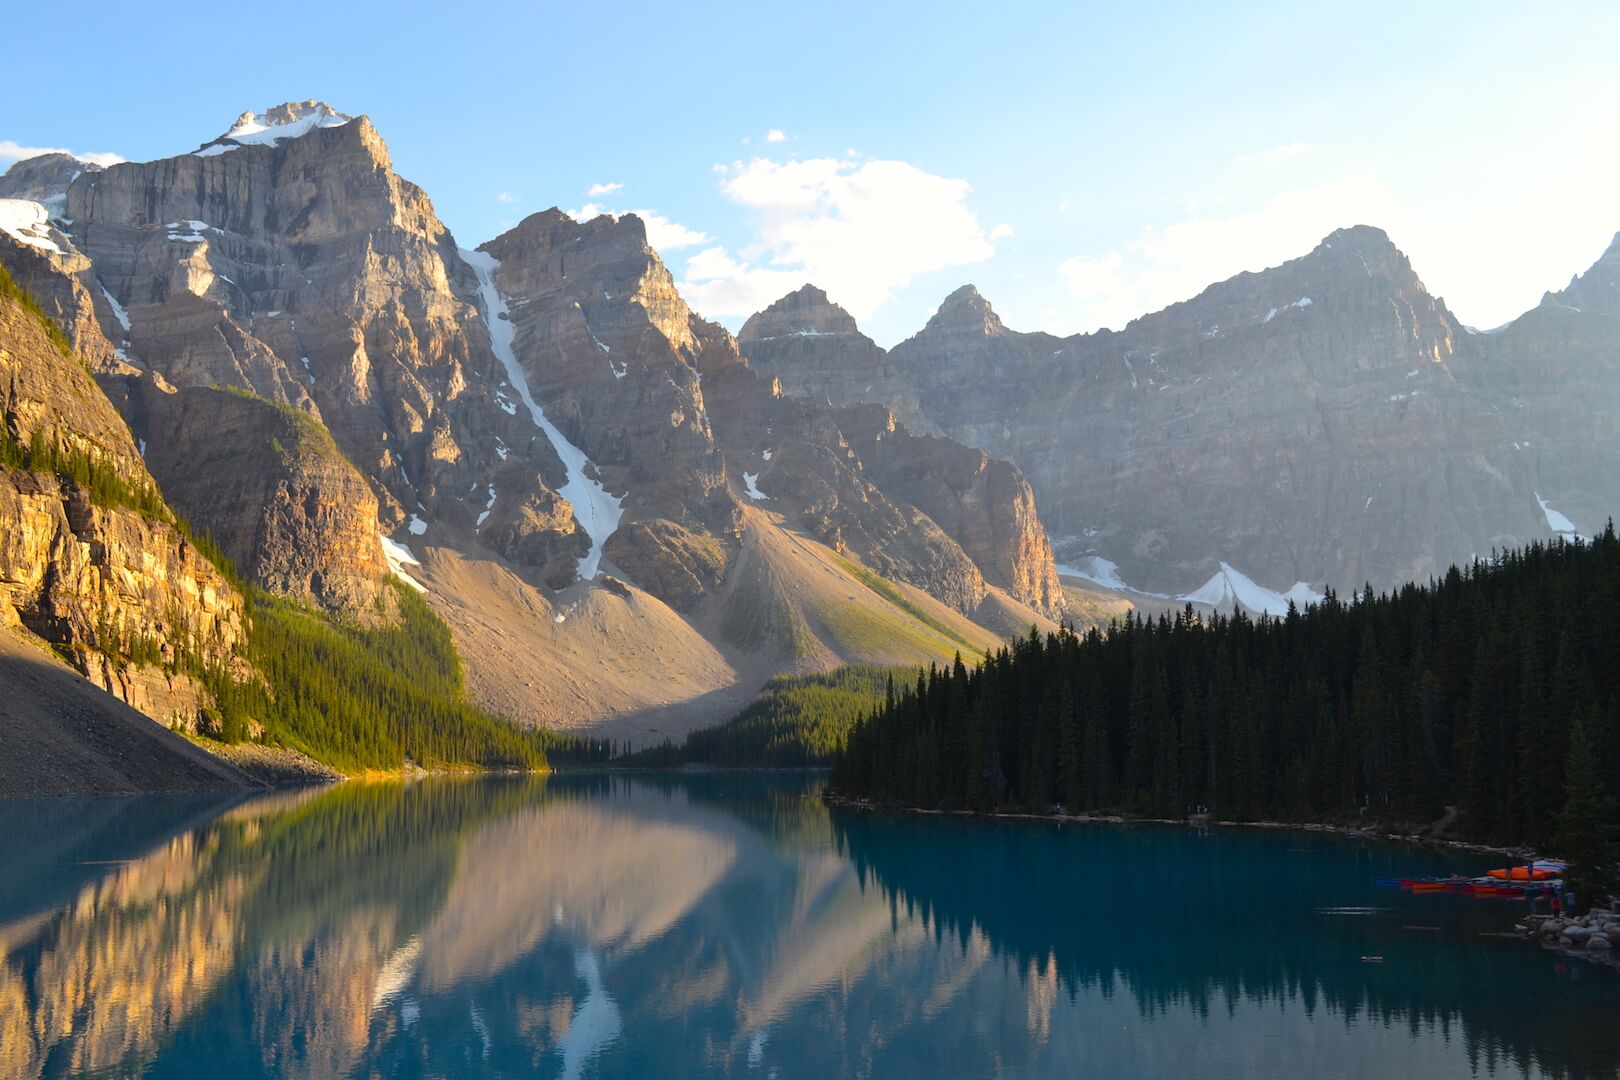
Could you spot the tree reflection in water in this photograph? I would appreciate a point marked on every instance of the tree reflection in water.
(716, 925)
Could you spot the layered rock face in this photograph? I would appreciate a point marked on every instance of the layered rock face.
(1555, 374)
(294, 516)
(815, 348)
(608, 349)
(1327, 421)
(287, 258)
(671, 414)
(114, 587)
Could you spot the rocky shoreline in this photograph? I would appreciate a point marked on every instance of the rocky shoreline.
(1594, 936)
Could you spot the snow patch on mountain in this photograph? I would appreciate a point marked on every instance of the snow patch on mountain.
(117, 309)
(251, 129)
(1557, 522)
(28, 223)
(596, 511)
(1104, 572)
(1229, 586)
(752, 488)
(399, 557)
(194, 236)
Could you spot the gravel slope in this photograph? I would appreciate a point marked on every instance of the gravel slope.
(62, 735)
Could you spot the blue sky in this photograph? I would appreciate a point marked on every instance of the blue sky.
(1080, 164)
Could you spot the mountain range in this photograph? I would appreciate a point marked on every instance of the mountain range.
(627, 528)
(1324, 424)
(629, 518)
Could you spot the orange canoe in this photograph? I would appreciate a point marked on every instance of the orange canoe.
(1541, 871)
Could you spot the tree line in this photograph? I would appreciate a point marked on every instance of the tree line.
(796, 721)
(1494, 690)
(372, 697)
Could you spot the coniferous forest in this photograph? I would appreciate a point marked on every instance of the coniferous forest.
(1495, 691)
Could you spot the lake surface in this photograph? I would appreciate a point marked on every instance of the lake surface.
(735, 926)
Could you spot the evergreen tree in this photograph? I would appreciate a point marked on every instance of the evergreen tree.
(1586, 823)
(1461, 691)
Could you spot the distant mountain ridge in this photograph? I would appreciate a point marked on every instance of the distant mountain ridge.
(1324, 423)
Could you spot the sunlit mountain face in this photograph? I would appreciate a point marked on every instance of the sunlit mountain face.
(718, 926)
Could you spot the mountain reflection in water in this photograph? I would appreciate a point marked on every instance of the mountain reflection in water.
(734, 925)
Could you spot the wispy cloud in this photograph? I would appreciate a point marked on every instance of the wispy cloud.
(506, 197)
(662, 233)
(14, 151)
(776, 135)
(1001, 232)
(860, 229)
(596, 191)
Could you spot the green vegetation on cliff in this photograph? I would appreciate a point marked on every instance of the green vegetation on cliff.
(1495, 689)
(371, 697)
(360, 697)
(10, 290)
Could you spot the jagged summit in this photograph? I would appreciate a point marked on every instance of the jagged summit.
(1597, 290)
(1367, 249)
(1363, 236)
(289, 120)
(1354, 267)
(805, 311)
(965, 310)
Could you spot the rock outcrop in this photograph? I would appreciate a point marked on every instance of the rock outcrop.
(295, 517)
(289, 259)
(1554, 373)
(91, 560)
(816, 350)
(671, 414)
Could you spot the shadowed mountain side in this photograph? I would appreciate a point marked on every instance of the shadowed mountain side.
(1327, 421)
(60, 734)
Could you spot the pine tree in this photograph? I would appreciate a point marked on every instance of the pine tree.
(1586, 824)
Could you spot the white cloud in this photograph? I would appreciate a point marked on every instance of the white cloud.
(506, 197)
(860, 230)
(717, 284)
(1163, 266)
(776, 135)
(12, 151)
(1091, 278)
(666, 235)
(596, 191)
(662, 233)
(1001, 232)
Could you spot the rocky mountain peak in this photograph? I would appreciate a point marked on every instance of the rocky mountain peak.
(43, 177)
(965, 310)
(806, 311)
(1597, 290)
(549, 249)
(1367, 251)
(289, 120)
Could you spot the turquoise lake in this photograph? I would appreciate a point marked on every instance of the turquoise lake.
(734, 925)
